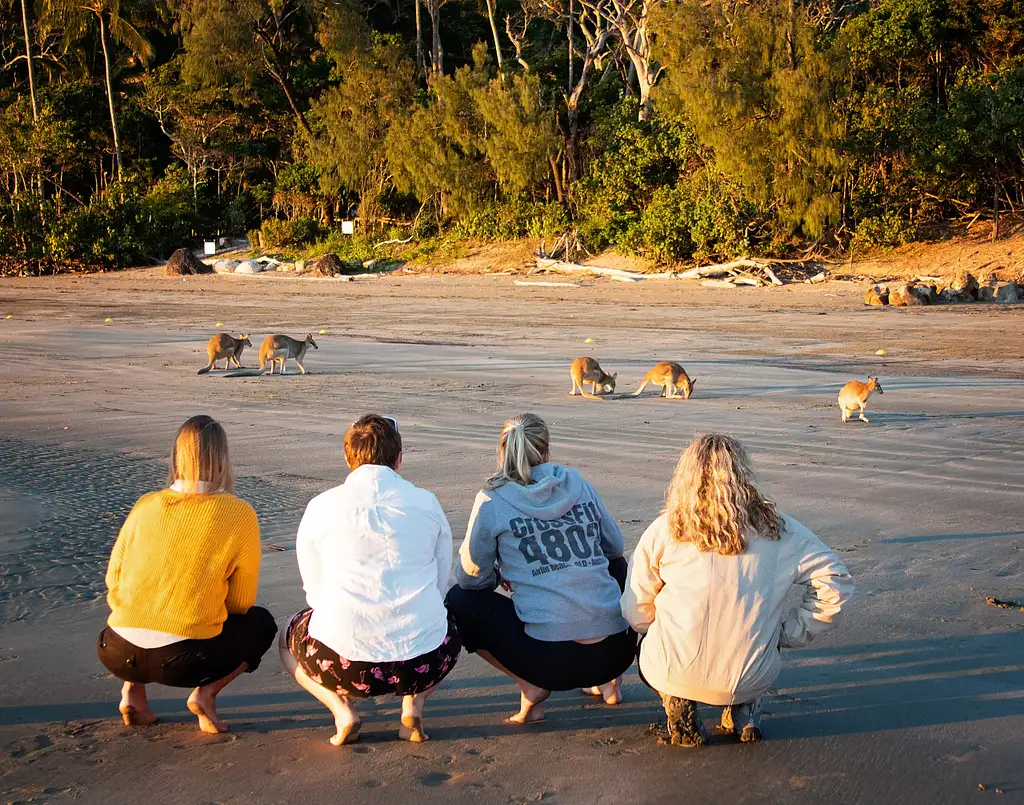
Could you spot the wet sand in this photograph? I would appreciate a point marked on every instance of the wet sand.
(917, 697)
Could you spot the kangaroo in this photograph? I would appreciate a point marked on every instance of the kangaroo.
(671, 377)
(281, 347)
(225, 346)
(587, 370)
(855, 395)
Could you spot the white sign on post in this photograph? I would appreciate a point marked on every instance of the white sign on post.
(209, 247)
(348, 227)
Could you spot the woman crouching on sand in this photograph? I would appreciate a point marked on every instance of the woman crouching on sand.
(541, 531)
(182, 583)
(707, 587)
(375, 556)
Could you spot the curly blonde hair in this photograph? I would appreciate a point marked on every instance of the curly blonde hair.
(713, 501)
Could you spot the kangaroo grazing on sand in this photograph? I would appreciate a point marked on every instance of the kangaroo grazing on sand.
(225, 346)
(587, 370)
(281, 347)
(671, 377)
(855, 395)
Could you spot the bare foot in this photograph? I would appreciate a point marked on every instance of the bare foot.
(412, 730)
(347, 733)
(531, 704)
(134, 706)
(203, 706)
(135, 718)
(611, 692)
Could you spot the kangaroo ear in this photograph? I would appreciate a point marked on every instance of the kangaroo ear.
(615, 375)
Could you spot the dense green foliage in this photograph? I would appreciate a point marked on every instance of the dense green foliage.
(673, 129)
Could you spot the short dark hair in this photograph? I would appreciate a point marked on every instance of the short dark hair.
(372, 439)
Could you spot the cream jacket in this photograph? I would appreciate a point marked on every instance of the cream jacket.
(714, 623)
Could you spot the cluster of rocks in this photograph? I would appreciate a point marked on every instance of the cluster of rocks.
(184, 262)
(961, 287)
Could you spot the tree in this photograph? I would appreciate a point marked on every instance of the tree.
(113, 19)
(774, 130)
(236, 41)
(351, 123)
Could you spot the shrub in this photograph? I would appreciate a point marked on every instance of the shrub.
(514, 219)
(883, 231)
(276, 234)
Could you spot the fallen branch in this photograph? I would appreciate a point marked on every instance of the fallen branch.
(730, 283)
(549, 264)
(391, 242)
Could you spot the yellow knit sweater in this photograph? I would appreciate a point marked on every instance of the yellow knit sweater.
(182, 563)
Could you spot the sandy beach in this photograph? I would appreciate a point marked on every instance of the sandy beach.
(918, 697)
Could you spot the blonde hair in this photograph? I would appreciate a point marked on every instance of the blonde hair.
(713, 501)
(200, 453)
(524, 443)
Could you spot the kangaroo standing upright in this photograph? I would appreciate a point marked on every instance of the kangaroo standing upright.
(282, 347)
(227, 347)
(671, 377)
(855, 395)
(587, 370)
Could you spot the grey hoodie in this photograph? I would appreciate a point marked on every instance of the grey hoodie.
(551, 541)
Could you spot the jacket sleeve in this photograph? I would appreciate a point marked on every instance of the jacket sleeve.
(124, 536)
(308, 557)
(245, 578)
(827, 587)
(613, 544)
(643, 582)
(475, 569)
(443, 551)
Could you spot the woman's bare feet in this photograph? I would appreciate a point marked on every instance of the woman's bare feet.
(347, 733)
(203, 705)
(531, 704)
(412, 718)
(611, 692)
(134, 706)
(412, 730)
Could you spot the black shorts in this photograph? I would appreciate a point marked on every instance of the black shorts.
(360, 679)
(191, 663)
(488, 620)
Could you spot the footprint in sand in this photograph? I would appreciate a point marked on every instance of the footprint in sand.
(434, 778)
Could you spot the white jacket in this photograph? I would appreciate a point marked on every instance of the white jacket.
(375, 556)
(714, 623)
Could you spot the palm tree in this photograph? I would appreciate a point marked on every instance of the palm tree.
(113, 19)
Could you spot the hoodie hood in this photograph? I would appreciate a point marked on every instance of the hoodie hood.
(555, 490)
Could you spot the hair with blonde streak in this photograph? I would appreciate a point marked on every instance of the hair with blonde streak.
(713, 501)
(200, 453)
(524, 443)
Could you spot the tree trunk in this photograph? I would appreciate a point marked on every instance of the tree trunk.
(494, 32)
(791, 35)
(569, 36)
(28, 57)
(110, 94)
(436, 53)
(420, 66)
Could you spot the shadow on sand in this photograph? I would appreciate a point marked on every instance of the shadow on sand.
(842, 690)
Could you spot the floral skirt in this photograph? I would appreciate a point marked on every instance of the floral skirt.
(363, 680)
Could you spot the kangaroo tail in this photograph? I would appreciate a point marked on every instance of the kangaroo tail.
(205, 369)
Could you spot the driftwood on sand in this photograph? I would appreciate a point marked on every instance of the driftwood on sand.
(745, 271)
